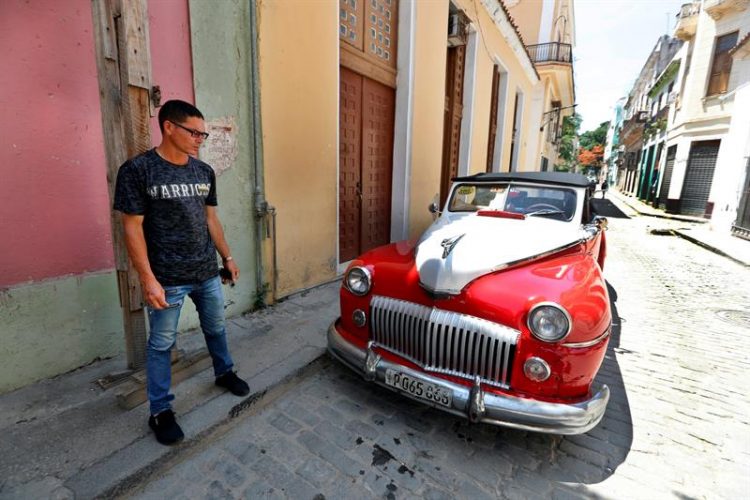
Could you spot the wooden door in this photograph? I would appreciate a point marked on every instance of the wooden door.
(378, 103)
(350, 187)
(366, 163)
(454, 96)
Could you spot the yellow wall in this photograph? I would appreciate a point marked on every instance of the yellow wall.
(482, 98)
(299, 71)
(527, 15)
(429, 97)
(429, 94)
(298, 59)
(496, 46)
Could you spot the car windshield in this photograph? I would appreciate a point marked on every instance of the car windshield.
(530, 200)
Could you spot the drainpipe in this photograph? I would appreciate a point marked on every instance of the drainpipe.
(262, 208)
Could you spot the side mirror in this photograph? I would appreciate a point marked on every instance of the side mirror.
(597, 225)
(434, 208)
(601, 222)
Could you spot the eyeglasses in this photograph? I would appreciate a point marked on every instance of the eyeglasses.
(195, 134)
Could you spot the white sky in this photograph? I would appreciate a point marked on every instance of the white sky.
(613, 40)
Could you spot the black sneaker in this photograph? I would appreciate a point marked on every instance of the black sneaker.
(235, 384)
(165, 427)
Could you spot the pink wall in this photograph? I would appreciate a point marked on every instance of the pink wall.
(55, 212)
(54, 217)
(171, 58)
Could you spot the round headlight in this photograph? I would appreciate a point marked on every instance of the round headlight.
(549, 322)
(358, 280)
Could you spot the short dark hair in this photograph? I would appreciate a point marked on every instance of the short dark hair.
(177, 111)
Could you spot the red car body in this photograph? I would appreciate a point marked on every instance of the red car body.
(392, 339)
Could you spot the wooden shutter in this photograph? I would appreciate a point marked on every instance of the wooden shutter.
(493, 118)
(454, 94)
(721, 66)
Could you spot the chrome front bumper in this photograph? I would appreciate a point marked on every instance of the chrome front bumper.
(475, 404)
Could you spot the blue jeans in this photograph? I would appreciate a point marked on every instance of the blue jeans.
(208, 298)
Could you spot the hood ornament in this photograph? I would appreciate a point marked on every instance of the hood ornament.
(449, 243)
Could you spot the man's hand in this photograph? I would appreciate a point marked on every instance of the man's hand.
(233, 268)
(153, 294)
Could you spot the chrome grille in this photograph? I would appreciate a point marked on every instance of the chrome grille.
(444, 341)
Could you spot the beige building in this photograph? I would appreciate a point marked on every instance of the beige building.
(710, 131)
(548, 29)
(370, 107)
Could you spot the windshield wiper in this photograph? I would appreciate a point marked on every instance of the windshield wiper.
(545, 211)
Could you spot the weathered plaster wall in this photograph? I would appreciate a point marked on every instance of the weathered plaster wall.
(56, 326)
(299, 104)
(220, 40)
(58, 295)
(58, 310)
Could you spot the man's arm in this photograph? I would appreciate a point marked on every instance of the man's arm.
(135, 242)
(217, 235)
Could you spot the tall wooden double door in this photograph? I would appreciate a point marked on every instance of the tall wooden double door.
(365, 163)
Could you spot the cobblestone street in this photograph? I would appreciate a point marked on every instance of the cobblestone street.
(677, 424)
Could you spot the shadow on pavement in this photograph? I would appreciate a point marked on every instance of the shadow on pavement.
(607, 209)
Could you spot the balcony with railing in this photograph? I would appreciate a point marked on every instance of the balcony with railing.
(554, 52)
(687, 20)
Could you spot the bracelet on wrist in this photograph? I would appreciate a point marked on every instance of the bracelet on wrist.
(227, 258)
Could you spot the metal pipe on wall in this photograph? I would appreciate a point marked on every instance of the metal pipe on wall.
(261, 205)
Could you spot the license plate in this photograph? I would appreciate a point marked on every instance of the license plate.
(419, 388)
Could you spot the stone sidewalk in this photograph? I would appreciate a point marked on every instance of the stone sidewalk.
(67, 438)
(697, 231)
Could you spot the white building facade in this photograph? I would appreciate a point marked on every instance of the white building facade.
(709, 129)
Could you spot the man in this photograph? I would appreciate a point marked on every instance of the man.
(172, 233)
(605, 186)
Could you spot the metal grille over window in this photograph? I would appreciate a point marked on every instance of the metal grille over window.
(444, 341)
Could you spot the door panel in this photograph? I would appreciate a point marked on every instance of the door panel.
(350, 139)
(377, 163)
(366, 163)
(454, 96)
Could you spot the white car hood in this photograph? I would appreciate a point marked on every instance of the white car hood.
(483, 245)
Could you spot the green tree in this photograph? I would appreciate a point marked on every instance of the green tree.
(598, 136)
(568, 141)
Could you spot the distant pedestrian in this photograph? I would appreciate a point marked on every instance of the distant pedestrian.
(605, 186)
(172, 232)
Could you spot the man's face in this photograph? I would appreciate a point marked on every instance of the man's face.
(182, 137)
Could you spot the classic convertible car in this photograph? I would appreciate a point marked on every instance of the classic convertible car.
(498, 313)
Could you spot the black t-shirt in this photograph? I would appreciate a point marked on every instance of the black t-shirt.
(172, 198)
